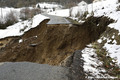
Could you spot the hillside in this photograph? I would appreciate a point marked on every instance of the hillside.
(52, 41)
(83, 41)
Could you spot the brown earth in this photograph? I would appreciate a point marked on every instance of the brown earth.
(52, 44)
(4, 42)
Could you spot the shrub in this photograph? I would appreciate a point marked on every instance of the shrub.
(24, 13)
(8, 20)
(27, 13)
(83, 16)
(118, 8)
(11, 17)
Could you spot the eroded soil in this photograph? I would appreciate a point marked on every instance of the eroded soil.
(53, 44)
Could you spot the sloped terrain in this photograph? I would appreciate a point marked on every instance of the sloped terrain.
(52, 44)
(102, 56)
(107, 49)
(30, 71)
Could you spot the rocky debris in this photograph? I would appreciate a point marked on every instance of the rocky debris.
(76, 67)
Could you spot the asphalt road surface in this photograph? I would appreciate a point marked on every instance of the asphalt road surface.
(56, 19)
(32, 71)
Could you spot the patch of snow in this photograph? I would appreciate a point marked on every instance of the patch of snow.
(113, 36)
(92, 64)
(116, 25)
(99, 41)
(79, 10)
(106, 8)
(104, 38)
(20, 40)
(20, 28)
(109, 40)
(63, 13)
(37, 19)
(114, 51)
(80, 21)
(48, 5)
(6, 11)
(73, 11)
(103, 7)
(114, 41)
(98, 24)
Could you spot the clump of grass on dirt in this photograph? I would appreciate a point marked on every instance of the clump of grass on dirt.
(109, 63)
(111, 67)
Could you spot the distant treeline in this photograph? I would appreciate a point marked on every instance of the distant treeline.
(26, 3)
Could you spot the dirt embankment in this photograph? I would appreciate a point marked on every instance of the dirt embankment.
(51, 45)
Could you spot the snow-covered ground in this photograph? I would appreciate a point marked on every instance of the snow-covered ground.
(4, 12)
(48, 5)
(62, 13)
(21, 27)
(109, 8)
(77, 10)
(92, 64)
(114, 51)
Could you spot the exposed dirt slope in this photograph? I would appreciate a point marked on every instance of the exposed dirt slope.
(52, 44)
(4, 42)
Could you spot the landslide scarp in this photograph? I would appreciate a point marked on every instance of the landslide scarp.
(51, 44)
